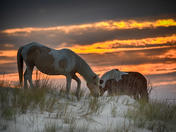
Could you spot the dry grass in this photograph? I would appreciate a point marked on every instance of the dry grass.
(154, 116)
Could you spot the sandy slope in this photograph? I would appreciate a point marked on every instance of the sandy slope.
(81, 119)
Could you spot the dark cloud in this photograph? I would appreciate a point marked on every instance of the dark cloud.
(166, 77)
(41, 13)
(148, 56)
(99, 35)
(44, 38)
(6, 58)
(84, 37)
(9, 64)
(8, 68)
(118, 45)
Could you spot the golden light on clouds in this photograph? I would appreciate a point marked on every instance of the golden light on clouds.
(117, 45)
(166, 23)
(108, 46)
(170, 54)
(105, 25)
(8, 53)
(146, 69)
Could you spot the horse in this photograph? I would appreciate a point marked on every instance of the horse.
(55, 62)
(132, 84)
(112, 74)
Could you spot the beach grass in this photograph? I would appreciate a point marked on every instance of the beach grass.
(156, 115)
(49, 100)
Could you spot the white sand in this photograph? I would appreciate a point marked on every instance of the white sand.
(81, 121)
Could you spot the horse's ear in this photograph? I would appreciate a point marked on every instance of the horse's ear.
(98, 75)
(101, 81)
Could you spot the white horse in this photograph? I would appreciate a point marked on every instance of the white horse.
(55, 62)
(112, 74)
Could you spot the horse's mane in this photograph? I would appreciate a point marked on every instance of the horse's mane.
(84, 69)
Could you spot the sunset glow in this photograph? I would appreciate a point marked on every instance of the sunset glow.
(8, 53)
(105, 25)
(145, 69)
(129, 36)
(117, 45)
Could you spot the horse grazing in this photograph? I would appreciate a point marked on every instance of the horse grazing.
(55, 62)
(133, 83)
(112, 74)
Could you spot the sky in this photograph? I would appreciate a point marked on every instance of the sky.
(129, 35)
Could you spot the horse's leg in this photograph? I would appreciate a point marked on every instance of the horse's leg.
(28, 76)
(68, 78)
(25, 79)
(78, 86)
(30, 79)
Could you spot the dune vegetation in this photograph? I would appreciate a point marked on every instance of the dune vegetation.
(45, 109)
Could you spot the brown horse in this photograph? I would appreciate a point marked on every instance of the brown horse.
(134, 84)
(55, 62)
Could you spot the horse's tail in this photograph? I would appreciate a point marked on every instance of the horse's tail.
(20, 65)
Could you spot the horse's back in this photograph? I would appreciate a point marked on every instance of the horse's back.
(32, 50)
(134, 80)
(48, 60)
(134, 83)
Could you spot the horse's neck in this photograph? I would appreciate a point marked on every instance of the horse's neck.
(84, 69)
(105, 77)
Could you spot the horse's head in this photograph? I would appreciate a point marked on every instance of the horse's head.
(93, 86)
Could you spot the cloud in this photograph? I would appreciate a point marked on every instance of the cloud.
(74, 12)
(87, 34)
(8, 68)
(166, 77)
(125, 45)
(103, 25)
(133, 45)
(135, 57)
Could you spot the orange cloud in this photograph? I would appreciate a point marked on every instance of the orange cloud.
(108, 46)
(170, 54)
(146, 69)
(8, 53)
(7, 61)
(165, 23)
(105, 25)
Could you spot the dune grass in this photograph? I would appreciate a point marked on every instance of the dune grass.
(155, 115)
(46, 98)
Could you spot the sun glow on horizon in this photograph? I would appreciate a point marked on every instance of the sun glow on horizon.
(8, 53)
(145, 69)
